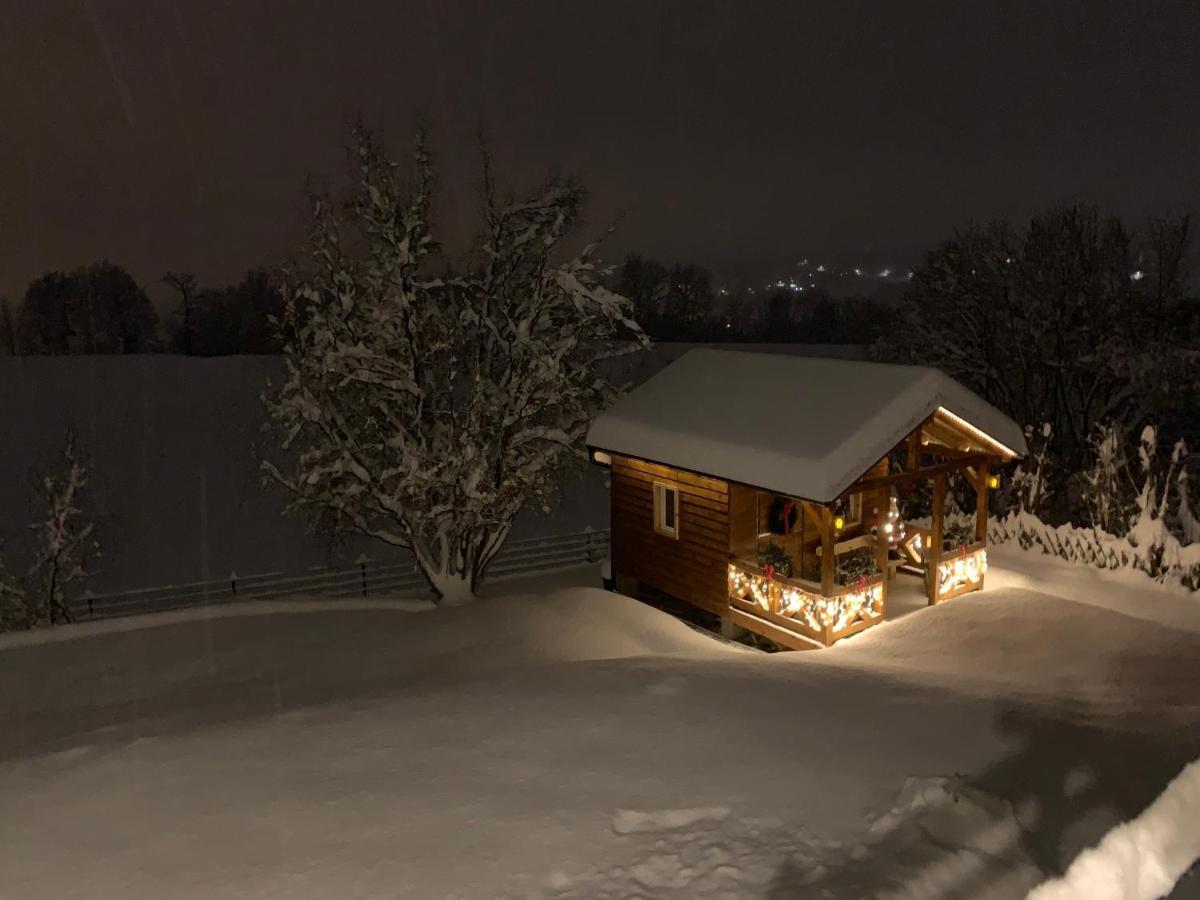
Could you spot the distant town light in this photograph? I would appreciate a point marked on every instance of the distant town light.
(821, 268)
(857, 271)
(1138, 275)
(885, 273)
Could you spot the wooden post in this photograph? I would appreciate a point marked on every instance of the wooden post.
(883, 498)
(981, 511)
(981, 503)
(827, 541)
(914, 450)
(933, 554)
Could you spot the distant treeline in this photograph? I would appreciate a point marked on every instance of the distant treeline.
(100, 308)
(680, 304)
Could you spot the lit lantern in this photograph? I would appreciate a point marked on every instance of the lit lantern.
(993, 481)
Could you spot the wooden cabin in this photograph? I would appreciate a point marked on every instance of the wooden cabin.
(764, 487)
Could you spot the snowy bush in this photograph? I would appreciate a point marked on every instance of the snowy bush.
(1135, 509)
(425, 404)
(1106, 487)
(63, 546)
(65, 538)
(15, 612)
(1030, 489)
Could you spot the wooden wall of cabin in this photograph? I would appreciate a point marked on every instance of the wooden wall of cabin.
(692, 567)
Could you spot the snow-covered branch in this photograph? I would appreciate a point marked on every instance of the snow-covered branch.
(426, 403)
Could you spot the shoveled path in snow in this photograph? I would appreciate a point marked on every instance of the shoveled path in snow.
(578, 744)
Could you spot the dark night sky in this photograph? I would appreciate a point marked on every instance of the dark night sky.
(176, 134)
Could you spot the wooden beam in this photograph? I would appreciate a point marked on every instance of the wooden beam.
(936, 522)
(948, 452)
(882, 503)
(927, 472)
(770, 630)
(914, 449)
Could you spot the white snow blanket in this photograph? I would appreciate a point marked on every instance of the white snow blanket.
(571, 743)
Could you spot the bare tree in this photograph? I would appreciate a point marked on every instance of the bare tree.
(185, 284)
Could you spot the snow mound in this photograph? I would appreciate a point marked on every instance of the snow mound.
(632, 821)
(1141, 859)
(937, 839)
(589, 623)
(1067, 650)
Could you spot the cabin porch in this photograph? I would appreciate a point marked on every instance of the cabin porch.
(804, 573)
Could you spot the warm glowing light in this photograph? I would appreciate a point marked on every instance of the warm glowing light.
(962, 571)
(839, 523)
(977, 432)
(602, 458)
(808, 609)
(993, 481)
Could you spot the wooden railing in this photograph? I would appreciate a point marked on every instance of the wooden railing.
(798, 605)
(960, 571)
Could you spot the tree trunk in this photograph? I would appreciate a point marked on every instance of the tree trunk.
(452, 588)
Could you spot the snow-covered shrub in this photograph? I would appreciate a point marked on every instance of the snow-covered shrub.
(426, 404)
(65, 539)
(1138, 508)
(64, 543)
(1189, 520)
(15, 611)
(1105, 487)
(1030, 487)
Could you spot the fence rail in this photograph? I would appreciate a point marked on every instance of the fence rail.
(520, 557)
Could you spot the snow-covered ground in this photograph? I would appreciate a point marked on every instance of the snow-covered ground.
(569, 743)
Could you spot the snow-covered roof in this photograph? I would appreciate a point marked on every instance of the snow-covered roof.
(798, 425)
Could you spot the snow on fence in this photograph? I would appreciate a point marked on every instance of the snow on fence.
(362, 579)
(1158, 554)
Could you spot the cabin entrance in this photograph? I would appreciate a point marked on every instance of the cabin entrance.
(818, 572)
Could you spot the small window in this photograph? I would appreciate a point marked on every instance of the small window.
(666, 510)
(854, 509)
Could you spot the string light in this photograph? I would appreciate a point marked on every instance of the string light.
(816, 612)
(962, 571)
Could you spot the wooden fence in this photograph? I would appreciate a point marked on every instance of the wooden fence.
(367, 578)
